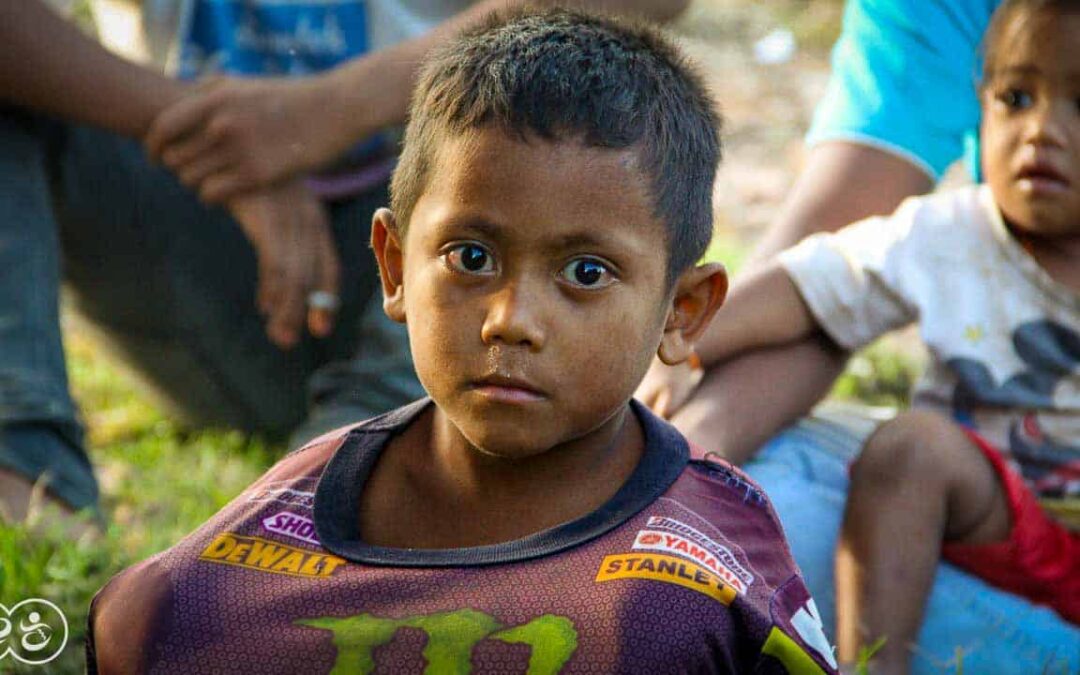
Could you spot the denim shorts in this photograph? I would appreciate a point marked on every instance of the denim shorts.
(969, 624)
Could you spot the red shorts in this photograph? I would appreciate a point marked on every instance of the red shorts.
(1041, 558)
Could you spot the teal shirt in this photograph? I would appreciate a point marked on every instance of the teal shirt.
(904, 79)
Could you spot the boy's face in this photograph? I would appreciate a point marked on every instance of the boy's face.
(533, 286)
(1031, 124)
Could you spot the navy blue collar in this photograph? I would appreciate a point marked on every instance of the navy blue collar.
(337, 498)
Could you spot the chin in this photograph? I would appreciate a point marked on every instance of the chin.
(511, 445)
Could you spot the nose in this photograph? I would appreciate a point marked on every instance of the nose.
(513, 318)
(1045, 124)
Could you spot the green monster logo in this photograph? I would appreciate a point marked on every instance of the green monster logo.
(451, 638)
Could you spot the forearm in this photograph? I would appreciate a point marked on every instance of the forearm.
(48, 65)
(763, 310)
(742, 403)
(373, 92)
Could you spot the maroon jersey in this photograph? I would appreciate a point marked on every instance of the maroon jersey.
(684, 570)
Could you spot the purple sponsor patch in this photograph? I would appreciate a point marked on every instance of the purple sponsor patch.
(292, 525)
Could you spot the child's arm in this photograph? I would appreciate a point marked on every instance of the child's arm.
(743, 402)
(763, 313)
(764, 310)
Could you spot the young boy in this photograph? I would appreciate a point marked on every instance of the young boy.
(552, 198)
(992, 274)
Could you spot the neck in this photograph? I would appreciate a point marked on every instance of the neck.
(468, 472)
(1058, 255)
(434, 489)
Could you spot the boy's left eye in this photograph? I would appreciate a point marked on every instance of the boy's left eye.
(587, 273)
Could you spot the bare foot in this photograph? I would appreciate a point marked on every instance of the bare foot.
(30, 503)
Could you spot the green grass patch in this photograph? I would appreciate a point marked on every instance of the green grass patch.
(159, 482)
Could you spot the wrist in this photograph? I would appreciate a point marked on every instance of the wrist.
(155, 94)
(359, 101)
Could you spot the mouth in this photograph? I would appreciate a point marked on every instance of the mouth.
(1041, 177)
(507, 389)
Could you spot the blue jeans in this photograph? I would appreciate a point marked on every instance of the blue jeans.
(804, 472)
(169, 285)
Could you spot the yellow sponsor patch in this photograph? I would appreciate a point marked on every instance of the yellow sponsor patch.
(666, 568)
(267, 556)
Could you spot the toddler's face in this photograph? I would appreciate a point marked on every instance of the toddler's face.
(1031, 124)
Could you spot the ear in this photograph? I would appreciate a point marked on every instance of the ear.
(699, 292)
(389, 255)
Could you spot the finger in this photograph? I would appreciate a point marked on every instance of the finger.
(661, 406)
(188, 149)
(197, 172)
(177, 121)
(210, 81)
(223, 185)
(328, 278)
(645, 392)
(258, 220)
(271, 265)
(679, 394)
(287, 317)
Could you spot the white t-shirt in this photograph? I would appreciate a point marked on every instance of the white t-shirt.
(1004, 337)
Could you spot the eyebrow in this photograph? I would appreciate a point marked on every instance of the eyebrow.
(580, 240)
(1017, 70)
(491, 231)
(473, 224)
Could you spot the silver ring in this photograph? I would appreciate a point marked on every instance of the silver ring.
(324, 300)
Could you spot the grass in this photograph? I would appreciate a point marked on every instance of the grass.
(158, 482)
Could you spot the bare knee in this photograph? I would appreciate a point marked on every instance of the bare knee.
(910, 447)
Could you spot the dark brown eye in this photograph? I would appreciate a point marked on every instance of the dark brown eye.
(1015, 99)
(473, 258)
(470, 258)
(588, 273)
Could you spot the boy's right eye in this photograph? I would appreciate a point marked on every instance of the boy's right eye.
(469, 258)
(1015, 99)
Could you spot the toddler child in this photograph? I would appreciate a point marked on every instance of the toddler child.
(983, 468)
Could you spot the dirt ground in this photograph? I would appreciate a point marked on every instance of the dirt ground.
(766, 107)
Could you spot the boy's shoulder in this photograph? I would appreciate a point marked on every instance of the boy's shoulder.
(722, 495)
(718, 520)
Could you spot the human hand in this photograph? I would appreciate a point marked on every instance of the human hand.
(666, 388)
(298, 261)
(231, 135)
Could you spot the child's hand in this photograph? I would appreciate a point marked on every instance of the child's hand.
(299, 271)
(230, 136)
(666, 388)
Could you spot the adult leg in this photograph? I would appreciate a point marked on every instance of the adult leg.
(918, 482)
(378, 377)
(40, 437)
(170, 286)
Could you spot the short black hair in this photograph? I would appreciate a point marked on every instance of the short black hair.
(1001, 21)
(564, 74)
